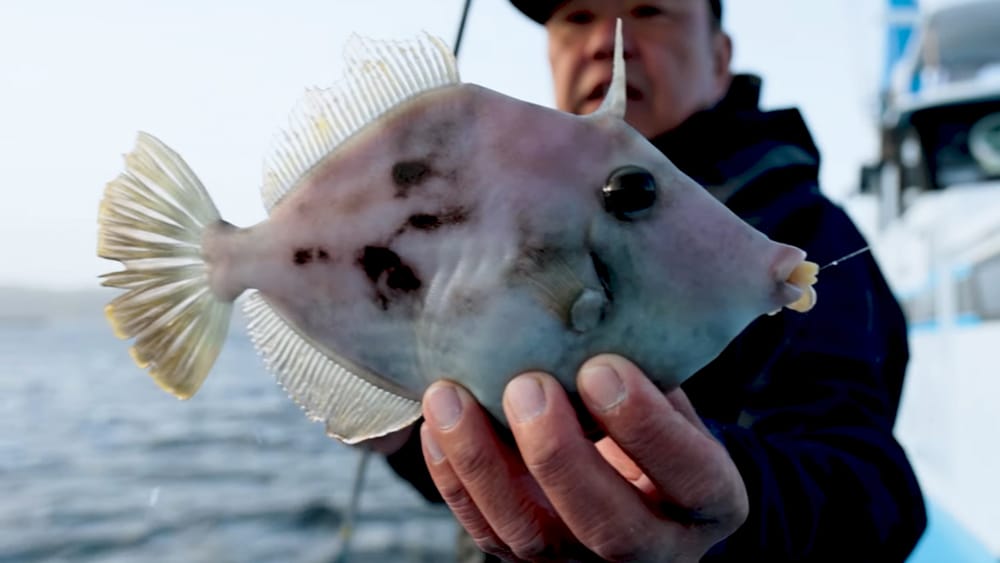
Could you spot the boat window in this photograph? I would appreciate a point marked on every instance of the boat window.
(919, 308)
(961, 43)
(986, 287)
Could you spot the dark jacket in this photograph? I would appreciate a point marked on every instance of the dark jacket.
(805, 403)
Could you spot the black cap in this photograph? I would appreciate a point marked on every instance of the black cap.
(541, 10)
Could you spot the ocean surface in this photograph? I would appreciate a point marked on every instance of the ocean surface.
(97, 464)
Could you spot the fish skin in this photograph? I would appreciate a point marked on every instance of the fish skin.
(463, 235)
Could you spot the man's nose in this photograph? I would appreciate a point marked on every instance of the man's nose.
(601, 42)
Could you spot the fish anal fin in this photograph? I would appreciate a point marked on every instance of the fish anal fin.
(352, 408)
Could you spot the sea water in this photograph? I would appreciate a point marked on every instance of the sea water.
(98, 464)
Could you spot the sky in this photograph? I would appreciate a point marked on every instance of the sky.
(216, 81)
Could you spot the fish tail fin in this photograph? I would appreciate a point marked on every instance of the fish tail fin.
(151, 220)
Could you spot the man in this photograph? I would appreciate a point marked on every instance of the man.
(781, 449)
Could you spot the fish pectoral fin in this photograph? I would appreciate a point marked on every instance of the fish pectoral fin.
(572, 296)
(588, 310)
(352, 408)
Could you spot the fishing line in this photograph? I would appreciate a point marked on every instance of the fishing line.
(846, 257)
(350, 515)
(461, 26)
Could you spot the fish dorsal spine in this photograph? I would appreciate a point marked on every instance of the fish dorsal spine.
(379, 75)
(616, 97)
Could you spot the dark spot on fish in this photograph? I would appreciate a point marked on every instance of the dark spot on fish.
(424, 221)
(302, 256)
(378, 259)
(437, 133)
(428, 222)
(402, 278)
(409, 173)
(388, 273)
(322, 255)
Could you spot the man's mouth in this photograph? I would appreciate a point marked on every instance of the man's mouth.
(600, 91)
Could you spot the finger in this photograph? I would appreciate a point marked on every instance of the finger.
(627, 468)
(679, 400)
(601, 509)
(483, 480)
(688, 467)
(454, 494)
(618, 459)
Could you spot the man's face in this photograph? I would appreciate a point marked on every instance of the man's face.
(677, 60)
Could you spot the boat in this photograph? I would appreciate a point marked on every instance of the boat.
(934, 196)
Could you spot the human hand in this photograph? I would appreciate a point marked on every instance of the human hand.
(658, 488)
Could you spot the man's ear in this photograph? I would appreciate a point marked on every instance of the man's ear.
(722, 57)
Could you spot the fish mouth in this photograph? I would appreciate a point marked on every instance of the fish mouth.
(599, 92)
(788, 293)
(793, 277)
(785, 292)
(786, 260)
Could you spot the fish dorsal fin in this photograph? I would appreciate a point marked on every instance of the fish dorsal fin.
(378, 76)
(616, 97)
(352, 409)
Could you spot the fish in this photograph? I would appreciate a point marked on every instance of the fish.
(420, 227)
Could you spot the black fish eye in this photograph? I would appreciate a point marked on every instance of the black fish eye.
(629, 192)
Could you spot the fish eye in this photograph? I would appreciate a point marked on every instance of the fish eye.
(629, 192)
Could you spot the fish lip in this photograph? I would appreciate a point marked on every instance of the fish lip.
(787, 260)
(788, 293)
(784, 295)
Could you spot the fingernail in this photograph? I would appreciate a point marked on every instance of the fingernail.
(525, 397)
(433, 449)
(444, 405)
(602, 386)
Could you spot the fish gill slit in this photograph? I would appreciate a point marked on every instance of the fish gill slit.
(603, 275)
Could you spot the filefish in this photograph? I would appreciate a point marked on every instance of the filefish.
(420, 228)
